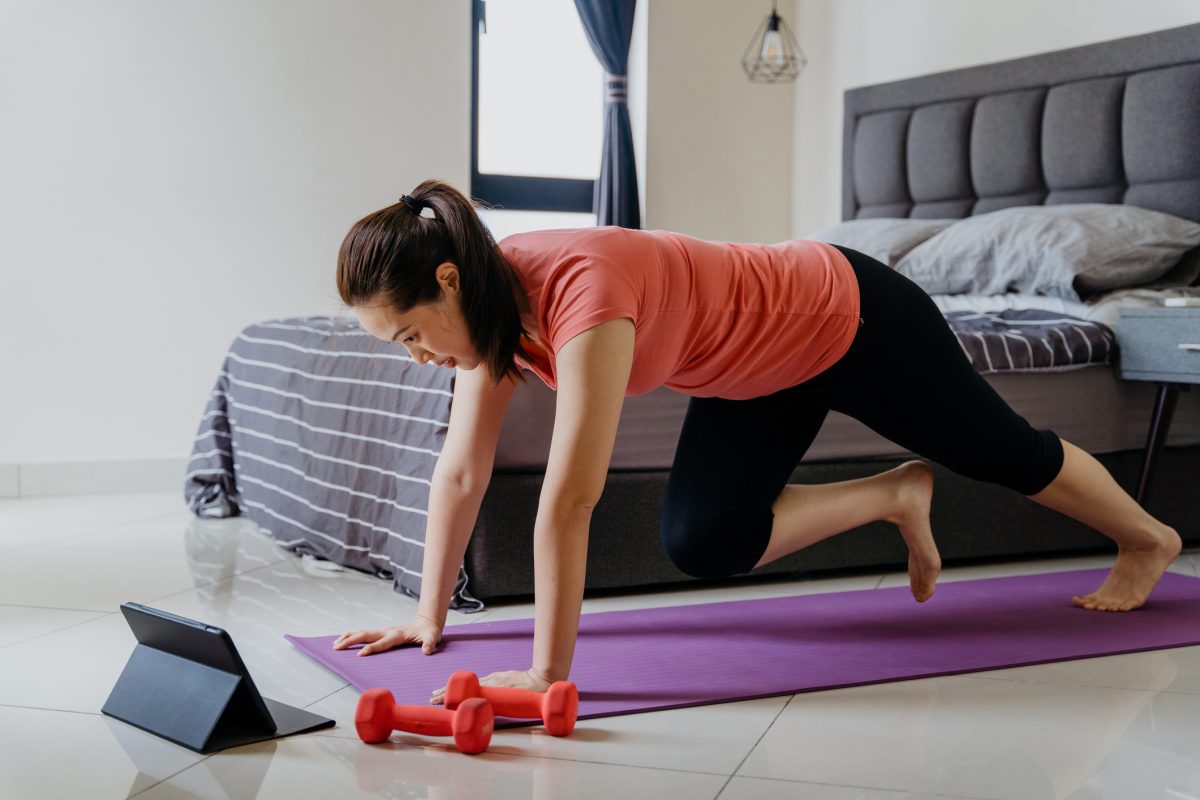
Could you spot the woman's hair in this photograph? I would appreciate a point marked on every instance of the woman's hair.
(396, 252)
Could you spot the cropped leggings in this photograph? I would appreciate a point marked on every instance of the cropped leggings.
(905, 377)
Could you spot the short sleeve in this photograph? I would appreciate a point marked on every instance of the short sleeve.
(585, 292)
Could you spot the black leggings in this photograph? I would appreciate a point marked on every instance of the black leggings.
(905, 377)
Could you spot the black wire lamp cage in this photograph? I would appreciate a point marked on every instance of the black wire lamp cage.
(773, 56)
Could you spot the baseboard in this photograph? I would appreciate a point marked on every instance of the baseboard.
(10, 481)
(92, 477)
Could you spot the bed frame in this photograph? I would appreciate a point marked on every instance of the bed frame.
(1114, 122)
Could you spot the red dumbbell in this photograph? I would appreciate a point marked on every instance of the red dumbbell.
(557, 707)
(378, 715)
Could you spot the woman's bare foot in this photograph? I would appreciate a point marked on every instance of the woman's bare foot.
(1134, 574)
(914, 493)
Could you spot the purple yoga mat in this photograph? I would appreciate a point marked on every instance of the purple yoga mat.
(659, 658)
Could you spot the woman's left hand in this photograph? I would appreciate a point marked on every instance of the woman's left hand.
(515, 679)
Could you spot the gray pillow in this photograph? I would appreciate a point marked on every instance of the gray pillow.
(1061, 251)
(884, 239)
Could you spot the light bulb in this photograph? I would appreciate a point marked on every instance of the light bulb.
(772, 49)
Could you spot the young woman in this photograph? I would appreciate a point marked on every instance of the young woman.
(766, 339)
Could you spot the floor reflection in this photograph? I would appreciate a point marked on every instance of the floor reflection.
(239, 778)
(394, 768)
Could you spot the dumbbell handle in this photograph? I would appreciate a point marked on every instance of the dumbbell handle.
(420, 719)
(509, 702)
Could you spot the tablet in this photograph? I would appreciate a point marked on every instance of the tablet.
(187, 683)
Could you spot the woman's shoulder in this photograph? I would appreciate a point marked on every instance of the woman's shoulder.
(562, 251)
(550, 238)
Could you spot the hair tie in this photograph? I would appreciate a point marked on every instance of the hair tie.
(413, 204)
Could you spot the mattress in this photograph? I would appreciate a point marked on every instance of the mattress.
(1086, 405)
(1089, 407)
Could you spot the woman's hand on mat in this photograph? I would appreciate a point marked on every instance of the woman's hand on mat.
(513, 679)
(420, 631)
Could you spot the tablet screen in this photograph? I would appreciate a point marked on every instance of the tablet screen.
(195, 641)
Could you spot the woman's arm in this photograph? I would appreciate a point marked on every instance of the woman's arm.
(460, 478)
(593, 373)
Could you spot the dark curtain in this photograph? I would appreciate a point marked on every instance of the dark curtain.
(609, 27)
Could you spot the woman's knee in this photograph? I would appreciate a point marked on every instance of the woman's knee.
(716, 545)
(1044, 465)
(1028, 467)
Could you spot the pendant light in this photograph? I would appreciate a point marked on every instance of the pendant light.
(773, 55)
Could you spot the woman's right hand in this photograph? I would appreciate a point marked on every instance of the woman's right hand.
(420, 631)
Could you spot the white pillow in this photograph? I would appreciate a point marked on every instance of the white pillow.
(1061, 251)
(884, 239)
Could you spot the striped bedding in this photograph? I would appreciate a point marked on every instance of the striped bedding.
(1027, 340)
(327, 437)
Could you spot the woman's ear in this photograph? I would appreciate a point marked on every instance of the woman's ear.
(448, 278)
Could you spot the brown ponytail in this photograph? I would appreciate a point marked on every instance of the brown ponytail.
(397, 252)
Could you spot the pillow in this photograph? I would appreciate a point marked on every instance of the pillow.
(1185, 273)
(886, 240)
(1061, 251)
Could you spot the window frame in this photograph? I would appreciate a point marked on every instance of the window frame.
(517, 192)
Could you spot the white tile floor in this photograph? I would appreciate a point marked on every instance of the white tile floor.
(1118, 727)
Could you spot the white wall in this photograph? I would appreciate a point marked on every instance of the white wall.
(719, 148)
(858, 42)
(173, 171)
(636, 94)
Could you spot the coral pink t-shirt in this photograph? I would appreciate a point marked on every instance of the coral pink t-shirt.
(711, 319)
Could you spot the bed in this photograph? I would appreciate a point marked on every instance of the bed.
(326, 438)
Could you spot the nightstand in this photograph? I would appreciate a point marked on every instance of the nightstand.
(1160, 345)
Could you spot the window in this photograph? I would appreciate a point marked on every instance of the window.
(537, 105)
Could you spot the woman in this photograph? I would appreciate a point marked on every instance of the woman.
(765, 338)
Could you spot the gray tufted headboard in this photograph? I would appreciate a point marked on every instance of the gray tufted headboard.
(1114, 122)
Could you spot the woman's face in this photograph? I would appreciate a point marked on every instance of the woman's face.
(433, 332)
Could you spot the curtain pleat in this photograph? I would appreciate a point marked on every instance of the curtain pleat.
(609, 28)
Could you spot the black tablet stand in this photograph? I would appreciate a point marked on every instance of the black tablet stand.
(186, 682)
